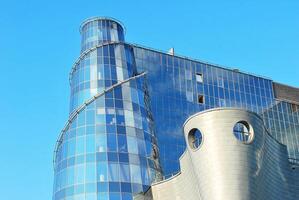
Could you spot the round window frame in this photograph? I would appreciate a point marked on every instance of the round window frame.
(191, 137)
(250, 131)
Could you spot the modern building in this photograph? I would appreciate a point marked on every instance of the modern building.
(124, 138)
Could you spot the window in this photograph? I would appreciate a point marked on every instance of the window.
(243, 132)
(199, 77)
(189, 96)
(194, 138)
(188, 75)
(135, 174)
(220, 82)
(113, 172)
(124, 173)
(221, 103)
(200, 99)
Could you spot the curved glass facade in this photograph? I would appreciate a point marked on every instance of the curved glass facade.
(181, 81)
(99, 69)
(108, 148)
(97, 31)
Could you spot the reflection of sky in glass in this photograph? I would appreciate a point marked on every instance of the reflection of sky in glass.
(174, 90)
(107, 152)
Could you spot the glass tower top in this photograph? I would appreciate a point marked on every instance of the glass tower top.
(100, 30)
(127, 107)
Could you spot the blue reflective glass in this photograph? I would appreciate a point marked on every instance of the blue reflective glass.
(126, 187)
(113, 172)
(102, 186)
(114, 187)
(111, 142)
(112, 157)
(101, 156)
(123, 157)
(122, 143)
(115, 133)
(102, 172)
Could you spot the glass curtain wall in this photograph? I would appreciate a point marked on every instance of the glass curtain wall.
(107, 150)
(180, 87)
(111, 148)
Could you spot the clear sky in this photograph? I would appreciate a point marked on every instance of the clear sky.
(39, 42)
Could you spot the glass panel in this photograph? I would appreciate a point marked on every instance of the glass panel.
(80, 145)
(101, 143)
(102, 172)
(113, 172)
(199, 78)
(79, 174)
(135, 174)
(124, 173)
(90, 172)
(132, 145)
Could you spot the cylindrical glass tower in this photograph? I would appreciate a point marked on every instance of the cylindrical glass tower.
(107, 149)
(97, 31)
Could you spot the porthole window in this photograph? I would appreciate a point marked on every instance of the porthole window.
(194, 138)
(243, 132)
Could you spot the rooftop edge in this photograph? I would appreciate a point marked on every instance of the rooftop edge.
(86, 21)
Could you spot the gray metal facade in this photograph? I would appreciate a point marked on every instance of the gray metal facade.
(223, 167)
(285, 92)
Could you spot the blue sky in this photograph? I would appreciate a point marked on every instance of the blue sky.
(39, 42)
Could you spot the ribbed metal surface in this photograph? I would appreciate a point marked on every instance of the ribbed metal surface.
(225, 168)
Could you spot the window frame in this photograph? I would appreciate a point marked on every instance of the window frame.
(199, 75)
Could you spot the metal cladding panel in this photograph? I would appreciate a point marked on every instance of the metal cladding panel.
(181, 186)
(285, 92)
(225, 168)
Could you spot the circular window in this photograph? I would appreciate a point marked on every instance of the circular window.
(194, 138)
(243, 132)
